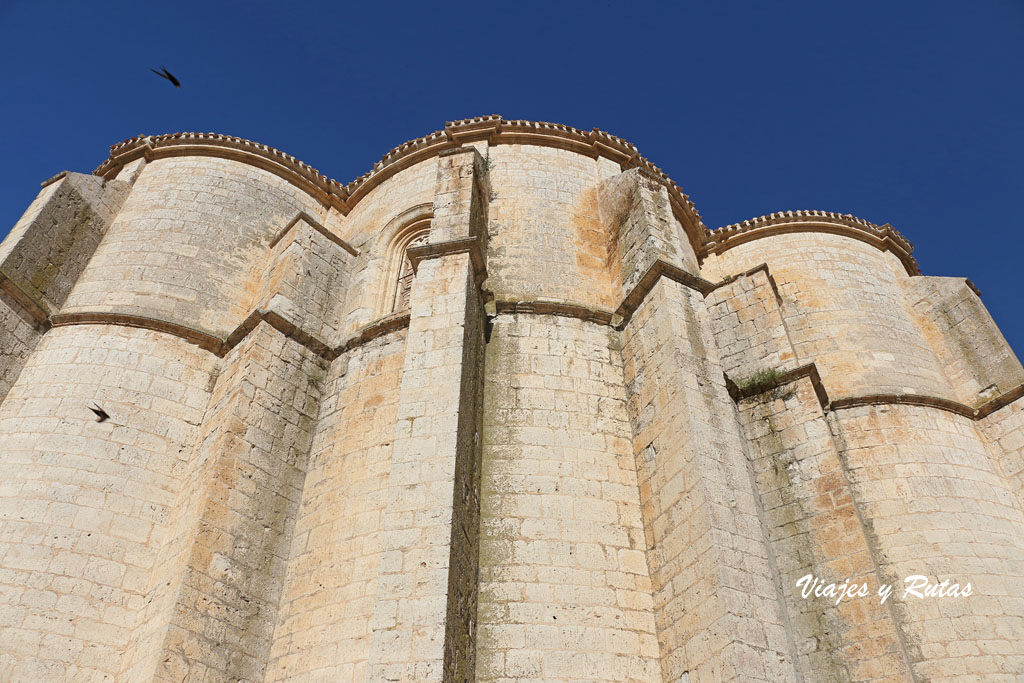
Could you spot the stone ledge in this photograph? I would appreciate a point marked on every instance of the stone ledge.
(375, 329)
(220, 347)
(279, 323)
(747, 273)
(905, 400)
(631, 302)
(979, 413)
(54, 178)
(999, 402)
(810, 371)
(462, 245)
(546, 307)
(313, 223)
(203, 340)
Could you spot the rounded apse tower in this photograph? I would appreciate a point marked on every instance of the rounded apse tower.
(502, 409)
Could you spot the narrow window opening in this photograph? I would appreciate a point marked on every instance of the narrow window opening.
(403, 286)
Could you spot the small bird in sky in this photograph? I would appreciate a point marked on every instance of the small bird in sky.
(101, 415)
(164, 73)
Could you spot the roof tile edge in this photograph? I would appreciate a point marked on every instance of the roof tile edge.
(496, 130)
(884, 237)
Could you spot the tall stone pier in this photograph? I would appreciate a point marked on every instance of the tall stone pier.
(502, 409)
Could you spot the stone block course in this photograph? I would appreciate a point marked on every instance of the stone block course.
(565, 590)
(590, 441)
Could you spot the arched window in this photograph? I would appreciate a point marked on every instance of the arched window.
(390, 268)
(403, 286)
(397, 270)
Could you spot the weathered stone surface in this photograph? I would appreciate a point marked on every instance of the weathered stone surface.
(44, 254)
(600, 442)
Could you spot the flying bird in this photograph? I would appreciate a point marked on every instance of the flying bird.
(164, 73)
(101, 415)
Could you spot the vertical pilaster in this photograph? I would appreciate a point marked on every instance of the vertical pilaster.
(715, 592)
(815, 529)
(252, 457)
(716, 597)
(256, 442)
(636, 209)
(426, 592)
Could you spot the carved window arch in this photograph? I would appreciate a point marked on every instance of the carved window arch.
(403, 286)
(398, 275)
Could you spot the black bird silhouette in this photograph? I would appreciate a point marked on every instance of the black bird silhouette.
(164, 73)
(101, 415)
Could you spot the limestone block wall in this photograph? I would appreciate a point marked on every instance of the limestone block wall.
(565, 591)
(1004, 434)
(21, 332)
(600, 442)
(972, 350)
(330, 585)
(936, 505)
(189, 243)
(641, 229)
(750, 332)
(844, 309)
(547, 239)
(87, 506)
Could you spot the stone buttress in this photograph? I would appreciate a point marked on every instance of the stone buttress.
(502, 409)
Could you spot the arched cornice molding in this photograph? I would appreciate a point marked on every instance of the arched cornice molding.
(494, 129)
(151, 147)
(883, 237)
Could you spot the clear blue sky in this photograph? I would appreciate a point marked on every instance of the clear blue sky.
(907, 112)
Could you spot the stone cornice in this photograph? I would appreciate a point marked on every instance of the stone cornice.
(203, 340)
(493, 129)
(327, 191)
(220, 347)
(497, 131)
(551, 307)
(904, 400)
(883, 237)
